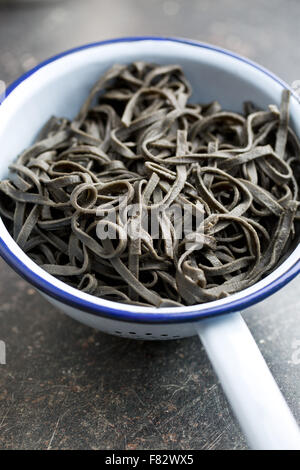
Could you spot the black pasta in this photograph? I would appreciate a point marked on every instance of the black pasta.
(144, 147)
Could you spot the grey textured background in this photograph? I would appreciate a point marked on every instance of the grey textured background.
(66, 386)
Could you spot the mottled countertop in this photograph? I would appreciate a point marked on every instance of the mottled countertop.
(66, 386)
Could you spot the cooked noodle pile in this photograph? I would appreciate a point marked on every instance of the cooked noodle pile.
(138, 143)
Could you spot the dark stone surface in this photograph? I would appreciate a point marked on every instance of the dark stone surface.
(66, 386)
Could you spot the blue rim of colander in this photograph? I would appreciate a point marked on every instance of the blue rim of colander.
(122, 312)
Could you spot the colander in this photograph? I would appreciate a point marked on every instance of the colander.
(58, 86)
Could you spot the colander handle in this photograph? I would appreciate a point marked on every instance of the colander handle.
(255, 398)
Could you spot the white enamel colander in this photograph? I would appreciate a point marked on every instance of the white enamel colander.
(58, 87)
